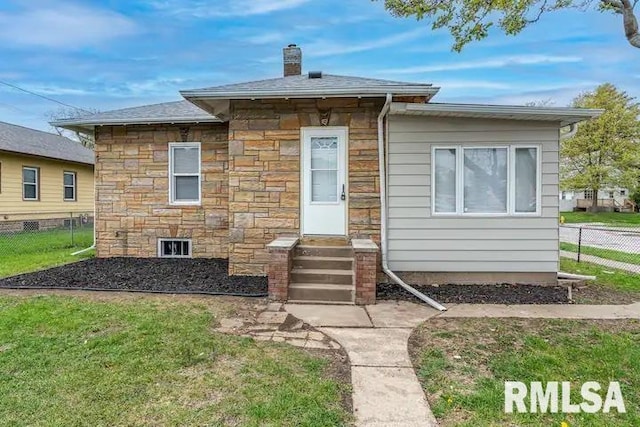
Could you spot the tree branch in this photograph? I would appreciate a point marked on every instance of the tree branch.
(629, 20)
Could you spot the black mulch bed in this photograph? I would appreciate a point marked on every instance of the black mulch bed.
(479, 294)
(143, 274)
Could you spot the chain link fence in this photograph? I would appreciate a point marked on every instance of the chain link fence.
(29, 241)
(614, 247)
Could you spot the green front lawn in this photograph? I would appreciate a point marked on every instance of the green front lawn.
(602, 253)
(618, 219)
(31, 251)
(463, 364)
(152, 361)
(610, 286)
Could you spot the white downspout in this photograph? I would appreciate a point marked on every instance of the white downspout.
(93, 246)
(573, 128)
(383, 211)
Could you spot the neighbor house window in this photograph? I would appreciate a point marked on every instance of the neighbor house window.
(623, 192)
(69, 182)
(184, 173)
(588, 194)
(486, 180)
(611, 194)
(30, 183)
(174, 248)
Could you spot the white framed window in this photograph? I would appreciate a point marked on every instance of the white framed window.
(30, 183)
(486, 181)
(174, 248)
(69, 184)
(184, 173)
(623, 192)
(588, 194)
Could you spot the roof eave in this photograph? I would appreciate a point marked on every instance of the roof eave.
(89, 125)
(81, 162)
(566, 116)
(317, 93)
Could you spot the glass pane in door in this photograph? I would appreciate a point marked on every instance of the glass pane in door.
(324, 169)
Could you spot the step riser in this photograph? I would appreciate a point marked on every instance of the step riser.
(346, 251)
(310, 294)
(329, 279)
(324, 241)
(346, 264)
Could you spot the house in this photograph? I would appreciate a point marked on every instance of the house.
(612, 199)
(304, 178)
(45, 180)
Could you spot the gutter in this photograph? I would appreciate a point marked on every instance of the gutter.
(426, 90)
(383, 211)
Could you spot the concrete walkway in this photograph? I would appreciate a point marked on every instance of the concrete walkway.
(545, 311)
(632, 268)
(386, 391)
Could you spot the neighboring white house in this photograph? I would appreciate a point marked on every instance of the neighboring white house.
(616, 199)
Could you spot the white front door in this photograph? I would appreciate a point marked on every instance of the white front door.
(324, 180)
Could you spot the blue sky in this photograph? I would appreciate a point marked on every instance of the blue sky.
(119, 53)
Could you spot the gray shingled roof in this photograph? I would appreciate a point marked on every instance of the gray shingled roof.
(166, 112)
(18, 139)
(302, 85)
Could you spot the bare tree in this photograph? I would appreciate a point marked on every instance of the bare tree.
(85, 138)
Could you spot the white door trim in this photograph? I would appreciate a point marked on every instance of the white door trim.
(343, 133)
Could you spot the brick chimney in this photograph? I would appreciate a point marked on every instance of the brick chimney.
(292, 56)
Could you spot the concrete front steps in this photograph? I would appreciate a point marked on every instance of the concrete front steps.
(322, 273)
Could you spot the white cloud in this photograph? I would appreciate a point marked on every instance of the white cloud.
(326, 48)
(49, 90)
(471, 84)
(68, 26)
(499, 62)
(224, 8)
(270, 37)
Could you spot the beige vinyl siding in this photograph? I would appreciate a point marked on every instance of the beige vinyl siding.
(419, 241)
(51, 194)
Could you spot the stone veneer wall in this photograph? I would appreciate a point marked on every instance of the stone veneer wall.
(264, 172)
(132, 198)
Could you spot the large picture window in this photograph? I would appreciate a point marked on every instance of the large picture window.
(184, 173)
(501, 180)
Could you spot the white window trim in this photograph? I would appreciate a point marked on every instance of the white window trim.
(511, 182)
(172, 200)
(74, 186)
(189, 242)
(37, 183)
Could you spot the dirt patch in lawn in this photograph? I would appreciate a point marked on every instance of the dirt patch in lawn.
(600, 294)
(143, 274)
(479, 294)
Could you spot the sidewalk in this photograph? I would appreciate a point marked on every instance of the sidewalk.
(633, 268)
(386, 391)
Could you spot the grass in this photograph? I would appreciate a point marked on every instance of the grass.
(609, 277)
(468, 390)
(76, 361)
(620, 219)
(611, 285)
(31, 251)
(602, 253)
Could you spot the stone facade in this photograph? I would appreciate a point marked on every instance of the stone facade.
(264, 172)
(132, 196)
